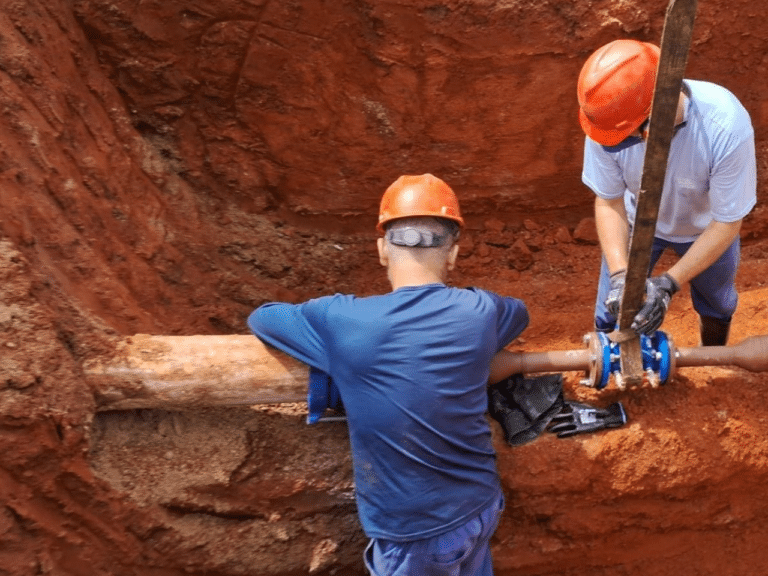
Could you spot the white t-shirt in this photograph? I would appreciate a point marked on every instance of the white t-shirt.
(711, 173)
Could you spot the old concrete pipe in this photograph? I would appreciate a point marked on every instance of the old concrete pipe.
(184, 372)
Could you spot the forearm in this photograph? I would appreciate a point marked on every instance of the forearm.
(503, 365)
(613, 232)
(715, 240)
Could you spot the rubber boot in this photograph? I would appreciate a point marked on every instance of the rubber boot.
(714, 332)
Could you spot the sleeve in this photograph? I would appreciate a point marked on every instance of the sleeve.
(512, 318)
(733, 183)
(295, 329)
(601, 172)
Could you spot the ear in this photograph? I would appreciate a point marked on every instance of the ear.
(383, 252)
(451, 262)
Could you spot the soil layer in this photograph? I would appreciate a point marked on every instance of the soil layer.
(167, 166)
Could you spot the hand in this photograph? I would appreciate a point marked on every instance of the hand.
(577, 418)
(613, 302)
(658, 292)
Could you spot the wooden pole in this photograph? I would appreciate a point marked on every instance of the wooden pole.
(675, 43)
(195, 371)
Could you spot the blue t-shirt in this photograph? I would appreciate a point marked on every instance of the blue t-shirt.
(412, 368)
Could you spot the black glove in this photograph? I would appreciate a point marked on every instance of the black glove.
(658, 291)
(613, 302)
(576, 418)
(524, 406)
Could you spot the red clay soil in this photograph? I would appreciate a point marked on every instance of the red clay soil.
(167, 166)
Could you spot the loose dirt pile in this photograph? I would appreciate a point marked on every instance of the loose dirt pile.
(165, 167)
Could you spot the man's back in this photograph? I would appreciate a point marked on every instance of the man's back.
(412, 368)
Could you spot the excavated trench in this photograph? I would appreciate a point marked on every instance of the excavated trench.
(167, 166)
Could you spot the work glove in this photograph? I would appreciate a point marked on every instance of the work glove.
(524, 406)
(613, 302)
(658, 292)
(577, 418)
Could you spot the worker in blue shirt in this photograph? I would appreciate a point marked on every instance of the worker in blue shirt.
(709, 187)
(412, 368)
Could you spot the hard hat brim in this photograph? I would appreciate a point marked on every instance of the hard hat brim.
(381, 225)
(607, 137)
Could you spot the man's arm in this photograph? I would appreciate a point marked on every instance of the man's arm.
(503, 365)
(707, 248)
(287, 328)
(512, 320)
(613, 231)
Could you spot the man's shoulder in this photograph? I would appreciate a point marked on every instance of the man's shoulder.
(286, 311)
(705, 89)
(718, 107)
(474, 292)
(432, 295)
(482, 293)
(323, 304)
(497, 299)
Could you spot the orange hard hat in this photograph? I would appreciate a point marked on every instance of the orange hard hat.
(615, 89)
(424, 195)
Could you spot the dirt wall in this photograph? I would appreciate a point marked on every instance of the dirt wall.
(165, 167)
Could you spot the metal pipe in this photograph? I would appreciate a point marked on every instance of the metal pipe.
(175, 372)
(750, 354)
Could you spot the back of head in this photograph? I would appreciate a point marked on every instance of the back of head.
(419, 250)
(615, 90)
(421, 222)
(420, 232)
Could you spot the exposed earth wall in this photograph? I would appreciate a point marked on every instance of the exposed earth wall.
(167, 166)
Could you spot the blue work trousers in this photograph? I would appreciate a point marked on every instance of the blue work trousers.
(464, 551)
(713, 292)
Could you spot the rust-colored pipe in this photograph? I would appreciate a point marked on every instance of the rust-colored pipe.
(174, 372)
(750, 354)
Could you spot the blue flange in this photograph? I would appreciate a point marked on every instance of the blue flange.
(655, 352)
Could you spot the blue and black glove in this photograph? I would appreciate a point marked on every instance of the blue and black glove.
(658, 292)
(577, 418)
(613, 302)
